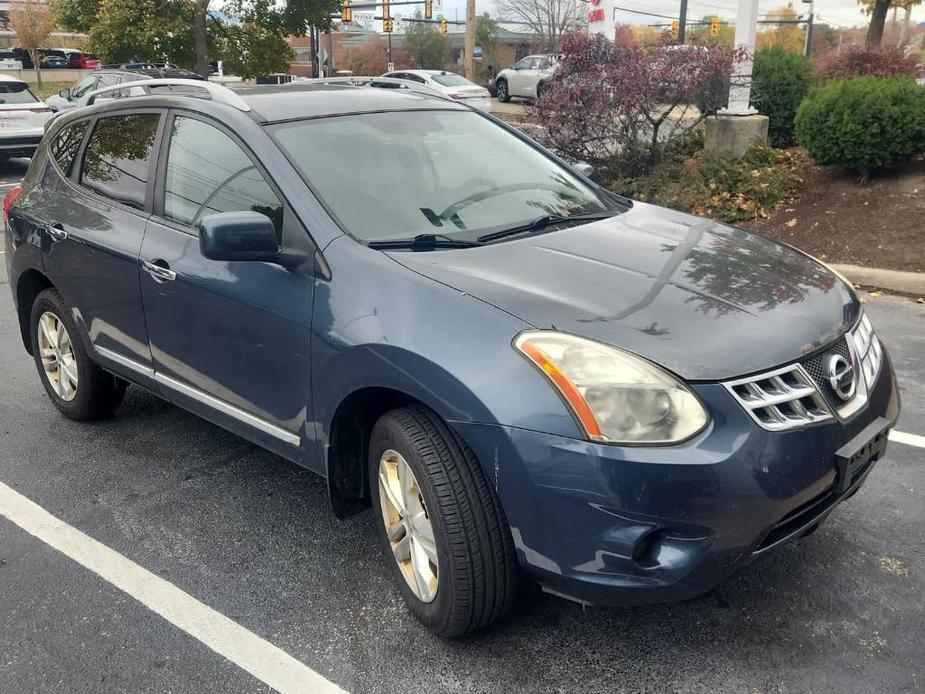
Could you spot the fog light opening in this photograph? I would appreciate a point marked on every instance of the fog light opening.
(647, 548)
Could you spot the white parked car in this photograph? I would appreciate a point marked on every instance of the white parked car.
(22, 118)
(525, 77)
(448, 83)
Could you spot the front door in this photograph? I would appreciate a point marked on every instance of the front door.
(230, 340)
(93, 227)
(524, 76)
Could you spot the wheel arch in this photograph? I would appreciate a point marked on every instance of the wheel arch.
(30, 284)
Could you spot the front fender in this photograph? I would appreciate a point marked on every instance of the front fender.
(378, 324)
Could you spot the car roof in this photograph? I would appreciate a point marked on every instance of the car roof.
(292, 101)
(9, 78)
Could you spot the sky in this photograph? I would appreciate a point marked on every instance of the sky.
(835, 12)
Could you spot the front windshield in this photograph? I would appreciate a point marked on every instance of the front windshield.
(395, 175)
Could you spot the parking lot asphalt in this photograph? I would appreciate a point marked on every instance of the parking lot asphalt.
(251, 536)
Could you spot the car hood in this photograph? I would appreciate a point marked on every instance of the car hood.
(704, 300)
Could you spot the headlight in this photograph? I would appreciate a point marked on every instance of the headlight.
(616, 396)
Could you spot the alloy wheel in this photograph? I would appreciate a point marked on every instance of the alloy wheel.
(58, 358)
(408, 526)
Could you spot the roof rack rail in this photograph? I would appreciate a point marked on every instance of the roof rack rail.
(216, 92)
(380, 82)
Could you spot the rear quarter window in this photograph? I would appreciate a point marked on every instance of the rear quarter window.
(66, 143)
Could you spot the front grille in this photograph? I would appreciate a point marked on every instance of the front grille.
(800, 394)
(815, 367)
(781, 399)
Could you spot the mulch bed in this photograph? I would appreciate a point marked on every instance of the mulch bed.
(839, 220)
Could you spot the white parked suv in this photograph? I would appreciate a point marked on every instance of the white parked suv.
(525, 78)
(22, 118)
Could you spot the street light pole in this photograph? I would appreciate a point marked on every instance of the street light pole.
(740, 90)
(682, 24)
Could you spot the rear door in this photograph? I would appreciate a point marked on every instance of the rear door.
(93, 234)
(230, 340)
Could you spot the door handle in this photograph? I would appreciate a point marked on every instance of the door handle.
(56, 231)
(159, 270)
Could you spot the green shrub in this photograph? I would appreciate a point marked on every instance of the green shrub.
(780, 82)
(864, 123)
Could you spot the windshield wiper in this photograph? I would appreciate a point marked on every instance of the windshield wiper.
(424, 242)
(547, 220)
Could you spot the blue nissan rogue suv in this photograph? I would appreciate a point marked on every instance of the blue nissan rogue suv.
(522, 373)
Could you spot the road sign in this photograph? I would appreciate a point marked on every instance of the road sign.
(390, 67)
(428, 9)
(477, 53)
(387, 25)
(346, 14)
(386, 11)
(675, 28)
(444, 26)
(714, 26)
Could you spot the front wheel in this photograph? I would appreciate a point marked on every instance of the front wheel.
(443, 530)
(501, 89)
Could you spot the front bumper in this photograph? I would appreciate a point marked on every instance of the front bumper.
(633, 525)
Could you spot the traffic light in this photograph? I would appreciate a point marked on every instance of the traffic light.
(346, 14)
(714, 26)
(387, 25)
(386, 13)
(675, 28)
(444, 26)
(428, 9)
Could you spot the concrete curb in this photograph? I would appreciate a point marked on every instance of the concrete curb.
(893, 280)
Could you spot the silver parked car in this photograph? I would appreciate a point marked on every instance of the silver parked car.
(525, 78)
(449, 84)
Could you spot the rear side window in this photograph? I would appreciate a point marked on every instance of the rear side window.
(117, 157)
(208, 172)
(16, 93)
(65, 145)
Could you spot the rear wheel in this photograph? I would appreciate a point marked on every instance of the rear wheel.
(444, 532)
(79, 388)
(501, 89)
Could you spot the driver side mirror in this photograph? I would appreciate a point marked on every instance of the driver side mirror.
(65, 94)
(238, 236)
(584, 168)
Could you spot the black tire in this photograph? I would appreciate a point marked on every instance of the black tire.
(478, 570)
(501, 89)
(98, 392)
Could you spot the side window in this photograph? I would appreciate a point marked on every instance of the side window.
(83, 86)
(65, 145)
(208, 172)
(117, 157)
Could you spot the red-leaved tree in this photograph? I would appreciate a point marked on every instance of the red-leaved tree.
(617, 105)
(854, 61)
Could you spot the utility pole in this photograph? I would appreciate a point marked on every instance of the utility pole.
(808, 48)
(682, 26)
(470, 40)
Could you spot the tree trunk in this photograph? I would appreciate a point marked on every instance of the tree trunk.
(34, 54)
(877, 22)
(201, 38)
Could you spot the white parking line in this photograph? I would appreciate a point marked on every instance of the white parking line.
(908, 439)
(271, 665)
